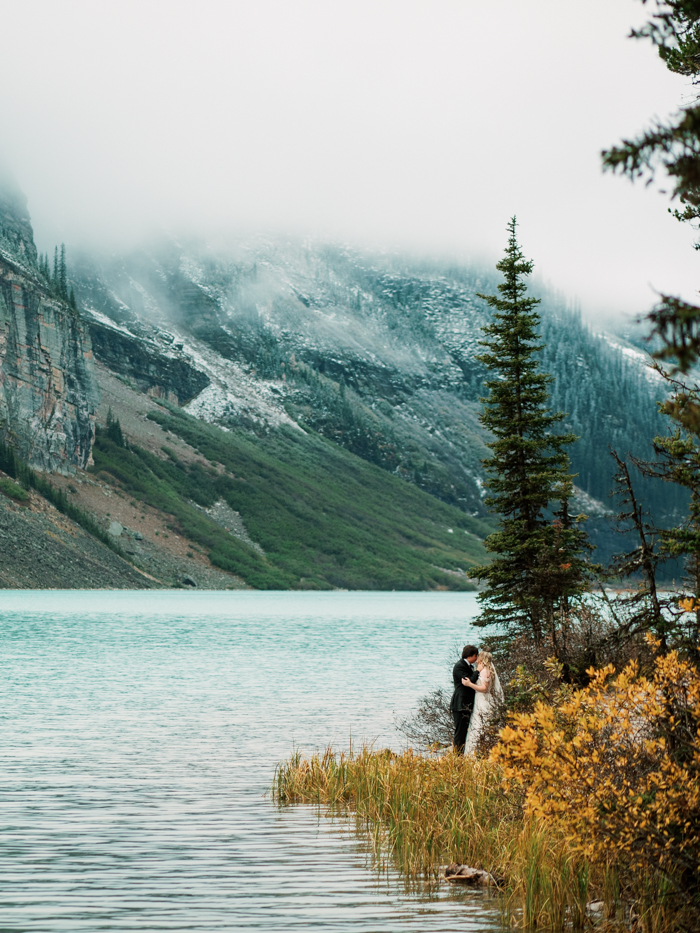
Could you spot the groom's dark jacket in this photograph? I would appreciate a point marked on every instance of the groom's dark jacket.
(463, 697)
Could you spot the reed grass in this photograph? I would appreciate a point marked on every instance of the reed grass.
(425, 811)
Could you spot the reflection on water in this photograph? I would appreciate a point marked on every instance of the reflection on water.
(140, 734)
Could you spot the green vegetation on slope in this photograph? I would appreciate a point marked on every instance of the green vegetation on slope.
(11, 464)
(8, 488)
(323, 517)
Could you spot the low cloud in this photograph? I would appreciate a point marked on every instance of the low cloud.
(400, 123)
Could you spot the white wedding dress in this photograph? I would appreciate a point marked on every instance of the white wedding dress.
(483, 705)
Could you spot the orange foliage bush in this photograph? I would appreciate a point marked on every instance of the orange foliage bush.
(616, 765)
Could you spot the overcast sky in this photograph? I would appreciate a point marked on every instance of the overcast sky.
(390, 122)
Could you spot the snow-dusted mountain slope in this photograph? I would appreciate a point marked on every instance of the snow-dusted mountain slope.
(376, 352)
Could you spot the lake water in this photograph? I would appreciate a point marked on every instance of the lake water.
(140, 732)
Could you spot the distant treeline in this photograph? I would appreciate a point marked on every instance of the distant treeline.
(611, 402)
(57, 278)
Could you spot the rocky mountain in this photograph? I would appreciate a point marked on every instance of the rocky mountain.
(48, 393)
(375, 352)
(176, 501)
(280, 413)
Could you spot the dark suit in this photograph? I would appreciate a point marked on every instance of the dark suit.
(462, 702)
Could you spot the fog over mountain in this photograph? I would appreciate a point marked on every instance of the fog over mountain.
(399, 124)
(293, 413)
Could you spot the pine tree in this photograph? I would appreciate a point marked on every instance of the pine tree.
(55, 276)
(538, 565)
(678, 462)
(673, 147)
(113, 429)
(63, 275)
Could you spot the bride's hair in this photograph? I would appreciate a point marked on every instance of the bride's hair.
(486, 659)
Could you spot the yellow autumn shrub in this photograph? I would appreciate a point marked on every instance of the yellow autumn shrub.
(616, 766)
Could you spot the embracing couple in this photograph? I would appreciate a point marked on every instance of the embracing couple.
(477, 690)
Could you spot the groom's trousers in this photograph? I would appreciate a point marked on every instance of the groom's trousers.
(461, 719)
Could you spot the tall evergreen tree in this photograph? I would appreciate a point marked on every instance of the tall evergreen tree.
(674, 147)
(538, 564)
(63, 275)
(113, 429)
(678, 462)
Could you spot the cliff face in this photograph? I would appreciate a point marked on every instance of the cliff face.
(48, 392)
(145, 364)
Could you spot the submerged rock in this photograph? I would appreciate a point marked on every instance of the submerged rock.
(475, 877)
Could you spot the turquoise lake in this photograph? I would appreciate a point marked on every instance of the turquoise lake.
(140, 733)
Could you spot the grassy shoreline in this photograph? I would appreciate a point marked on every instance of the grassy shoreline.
(424, 811)
(590, 794)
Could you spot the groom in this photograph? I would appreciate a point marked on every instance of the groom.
(462, 701)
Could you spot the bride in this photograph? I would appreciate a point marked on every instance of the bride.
(487, 694)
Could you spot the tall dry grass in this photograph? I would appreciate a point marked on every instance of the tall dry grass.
(426, 811)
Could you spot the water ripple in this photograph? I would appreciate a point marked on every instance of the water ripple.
(140, 734)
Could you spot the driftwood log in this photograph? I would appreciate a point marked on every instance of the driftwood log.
(475, 877)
